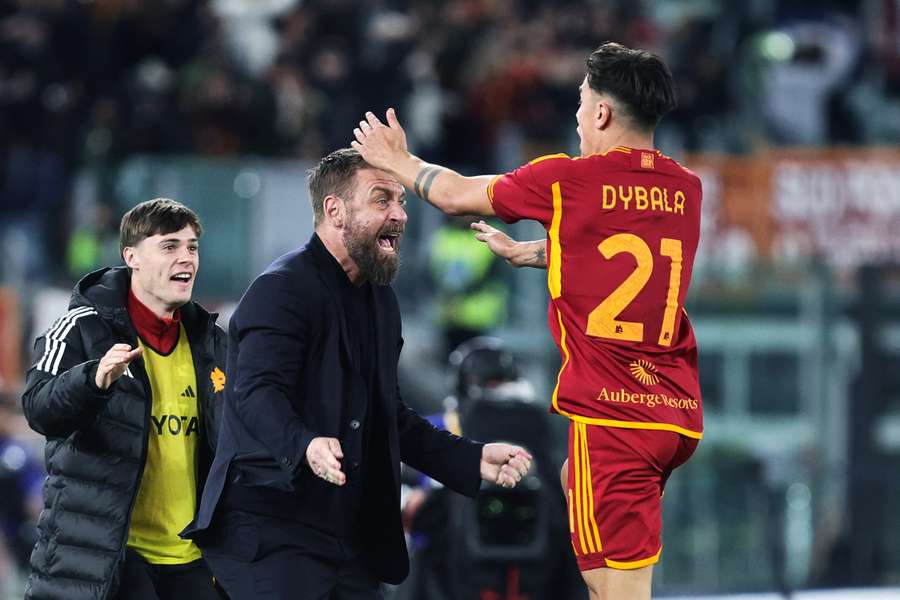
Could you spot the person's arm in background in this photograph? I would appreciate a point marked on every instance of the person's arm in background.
(384, 147)
(518, 254)
(64, 389)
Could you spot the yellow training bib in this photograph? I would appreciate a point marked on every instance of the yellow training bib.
(168, 496)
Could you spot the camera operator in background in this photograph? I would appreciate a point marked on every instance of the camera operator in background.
(506, 545)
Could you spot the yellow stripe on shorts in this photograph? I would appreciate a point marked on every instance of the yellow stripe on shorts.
(593, 529)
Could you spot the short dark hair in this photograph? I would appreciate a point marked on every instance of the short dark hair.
(333, 175)
(157, 216)
(641, 81)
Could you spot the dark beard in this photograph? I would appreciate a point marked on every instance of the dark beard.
(375, 267)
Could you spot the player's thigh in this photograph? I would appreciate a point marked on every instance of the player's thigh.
(612, 584)
(614, 489)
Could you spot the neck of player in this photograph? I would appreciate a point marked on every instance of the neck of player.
(627, 138)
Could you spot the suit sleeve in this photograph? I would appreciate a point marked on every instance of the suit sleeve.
(272, 335)
(453, 460)
(527, 192)
(60, 394)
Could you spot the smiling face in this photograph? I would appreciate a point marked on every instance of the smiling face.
(374, 224)
(163, 269)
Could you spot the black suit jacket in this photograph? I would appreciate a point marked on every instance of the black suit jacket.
(290, 378)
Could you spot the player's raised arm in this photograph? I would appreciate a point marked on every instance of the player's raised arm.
(518, 254)
(384, 147)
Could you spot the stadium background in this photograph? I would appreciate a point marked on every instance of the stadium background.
(789, 111)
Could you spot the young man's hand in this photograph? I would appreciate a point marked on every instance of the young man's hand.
(113, 364)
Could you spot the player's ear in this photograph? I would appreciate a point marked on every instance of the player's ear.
(604, 113)
(334, 209)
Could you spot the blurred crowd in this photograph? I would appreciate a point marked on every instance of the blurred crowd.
(480, 84)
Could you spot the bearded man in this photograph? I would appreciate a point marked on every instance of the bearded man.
(303, 499)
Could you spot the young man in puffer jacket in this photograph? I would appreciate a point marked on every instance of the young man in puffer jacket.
(126, 387)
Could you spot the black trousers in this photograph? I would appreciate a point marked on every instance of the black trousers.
(256, 557)
(143, 581)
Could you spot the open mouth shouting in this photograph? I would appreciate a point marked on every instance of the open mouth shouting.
(390, 241)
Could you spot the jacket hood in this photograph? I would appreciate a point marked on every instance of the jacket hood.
(105, 289)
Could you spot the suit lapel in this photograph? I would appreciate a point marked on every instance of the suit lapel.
(329, 271)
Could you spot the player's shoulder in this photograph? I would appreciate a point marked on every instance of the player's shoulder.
(74, 320)
(559, 158)
(681, 170)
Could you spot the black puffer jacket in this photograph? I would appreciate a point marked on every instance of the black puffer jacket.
(97, 440)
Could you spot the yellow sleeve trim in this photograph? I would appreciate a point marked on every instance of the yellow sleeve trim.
(548, 157)
(637, 564)
(490, 188)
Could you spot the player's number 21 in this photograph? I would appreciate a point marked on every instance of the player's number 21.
(603, 322)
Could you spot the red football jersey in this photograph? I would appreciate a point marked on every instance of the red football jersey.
(622, 232)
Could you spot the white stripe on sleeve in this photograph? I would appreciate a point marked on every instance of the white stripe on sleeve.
(55, 345)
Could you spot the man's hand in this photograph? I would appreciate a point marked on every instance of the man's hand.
(323, 455)
(518, 254)
(500, 244)
(114, 363)
(382, 146)
(504, 464)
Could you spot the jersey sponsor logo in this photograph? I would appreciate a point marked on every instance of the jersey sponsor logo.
(638, 197)
(644, 371)
(218, 379)
(188, 393)
(623, 396)
(175, 425)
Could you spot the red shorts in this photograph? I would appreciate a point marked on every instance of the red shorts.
(615, 486)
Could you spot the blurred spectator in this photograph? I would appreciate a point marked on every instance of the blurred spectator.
(21, 479)
(470, 293)
(94, 244)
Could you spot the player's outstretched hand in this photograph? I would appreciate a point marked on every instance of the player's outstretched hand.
(323, 455)
(500, 244)
(114, 363)
(504, 464)
(382, 146)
